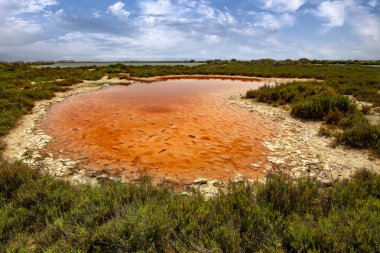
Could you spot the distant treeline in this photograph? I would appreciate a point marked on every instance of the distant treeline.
(300, 61)
(267, 61)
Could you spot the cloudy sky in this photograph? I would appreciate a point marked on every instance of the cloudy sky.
(188, 29)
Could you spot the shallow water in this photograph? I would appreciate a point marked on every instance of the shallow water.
(178, 130)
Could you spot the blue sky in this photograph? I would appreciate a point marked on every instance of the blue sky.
(188, 29)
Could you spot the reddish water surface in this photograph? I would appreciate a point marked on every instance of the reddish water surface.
(178, 130)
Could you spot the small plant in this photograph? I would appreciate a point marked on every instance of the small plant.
(324, 131)
(366, 110)
(361, 134)
(333, 117)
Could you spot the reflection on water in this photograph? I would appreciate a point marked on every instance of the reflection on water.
(179, 130)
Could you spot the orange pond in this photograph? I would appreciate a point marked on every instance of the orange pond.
(178, 130)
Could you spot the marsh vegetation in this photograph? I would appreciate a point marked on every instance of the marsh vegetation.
(39, 213)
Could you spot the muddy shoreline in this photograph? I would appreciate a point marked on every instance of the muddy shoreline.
(299, 150)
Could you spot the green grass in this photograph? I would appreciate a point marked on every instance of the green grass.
(42, 214)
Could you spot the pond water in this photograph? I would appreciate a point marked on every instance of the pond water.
(178, 130)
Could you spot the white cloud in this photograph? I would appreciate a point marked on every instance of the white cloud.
(218, 16)
(365, 23)
(283, 5)
(368, 27)
(36, 5)
(372, 3)
(57, 18)
(146, 21)
(10, 8)
(212, 38)
(96, 14)
(186, 29)
(273, 22)
(16, 32)
(160, 7)
(71, 36)
(118, 10)
(183, 11)
(333, 12)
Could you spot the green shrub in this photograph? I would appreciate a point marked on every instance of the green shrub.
(324, 131)
(366, 109)
(362, 134)
(333, 117)
(115, 68)
(39, 213)
(320, 106)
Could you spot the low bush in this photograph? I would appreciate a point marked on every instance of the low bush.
(362, 134)
(320, 106)
(328, 102)
(39, 213)
(366, 109)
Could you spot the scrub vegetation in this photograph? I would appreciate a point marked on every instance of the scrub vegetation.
(39, 213)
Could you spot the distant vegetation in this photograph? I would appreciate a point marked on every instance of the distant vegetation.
(39, 213)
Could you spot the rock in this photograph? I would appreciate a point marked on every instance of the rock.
(185, 194)
(238, 178)
(256, 165)
(276, 160)
(200, 181)
(216, 183)
(102, 176)
(67, 173)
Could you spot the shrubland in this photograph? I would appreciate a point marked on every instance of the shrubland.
(40, 213)
(321, 101)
